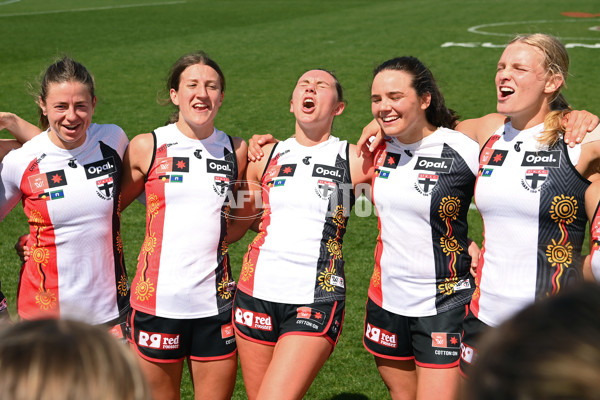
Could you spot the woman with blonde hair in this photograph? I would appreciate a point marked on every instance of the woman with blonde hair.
(51, 359)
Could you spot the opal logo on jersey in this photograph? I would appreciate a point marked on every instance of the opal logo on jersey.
(159, 341)
(439, 165)
(381, 336)
(219, 167)
(325, 171)
(547, 159)
(253, 320)
(100, 168)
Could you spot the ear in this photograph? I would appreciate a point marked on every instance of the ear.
(174, 98)
(42, 105)
(93, 104)
(554, 83)
(425, 101)
(339, 108)
(291, 106)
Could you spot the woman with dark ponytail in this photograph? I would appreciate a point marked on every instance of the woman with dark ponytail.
(422, 188)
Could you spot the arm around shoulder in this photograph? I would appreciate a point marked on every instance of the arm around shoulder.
(18, 127)
(136, 164)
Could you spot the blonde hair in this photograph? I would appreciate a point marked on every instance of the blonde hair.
(66, 360)
(556, 62)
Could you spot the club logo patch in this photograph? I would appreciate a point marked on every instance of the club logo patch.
(535, 180)
(105, 188)
(426, 183)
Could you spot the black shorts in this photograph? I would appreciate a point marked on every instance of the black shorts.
(433, 342)
(164, 340)
(266, 322)
(472, 331)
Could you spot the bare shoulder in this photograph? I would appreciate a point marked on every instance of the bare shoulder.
(592, 136)
(481, 129)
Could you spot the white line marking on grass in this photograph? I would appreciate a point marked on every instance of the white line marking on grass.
(166, 3)
(2, 3)
(479, 29)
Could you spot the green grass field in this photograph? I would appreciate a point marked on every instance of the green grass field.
(262, 47)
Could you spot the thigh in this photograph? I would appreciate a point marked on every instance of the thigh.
(436, 339)
(437, 383)
(164, 378)
(214, 379)
(399, 376)
(296, 362)
(254, 359)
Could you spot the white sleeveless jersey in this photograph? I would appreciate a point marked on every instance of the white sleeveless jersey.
(76, 268)
(183, 268)
(422, 192)
(296, 258)
(531, 199)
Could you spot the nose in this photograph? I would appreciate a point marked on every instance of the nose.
(71, 115)
(385, 104)
(201, 91)
(310, 88)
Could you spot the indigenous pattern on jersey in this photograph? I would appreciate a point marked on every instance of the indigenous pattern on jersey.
(183, 268)
(76, 267)
(422, 192)
(595, 240)
(307, 196)
(531, 199)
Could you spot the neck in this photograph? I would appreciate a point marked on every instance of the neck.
(198, 133)
(416, 134)
(311, 137)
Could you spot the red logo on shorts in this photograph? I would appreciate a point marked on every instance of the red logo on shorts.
(253, 319)
(446, 340)
(381, 336)
(226, 331)
(160, 341)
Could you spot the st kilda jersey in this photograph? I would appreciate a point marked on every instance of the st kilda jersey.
(296, 258)
(531, 199)
(183, 267)
(70, 197)
(422, 192)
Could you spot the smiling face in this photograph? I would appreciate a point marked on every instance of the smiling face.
(69, 107)
(198, 98)
(399, 111)
(315, 100)
(524, 88)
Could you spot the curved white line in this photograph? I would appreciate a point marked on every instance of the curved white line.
(3, 3)
(477, 28)
(91, 8)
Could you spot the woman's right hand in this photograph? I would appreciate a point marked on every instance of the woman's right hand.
(255, 145)
(21, 248)
(369, 140)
